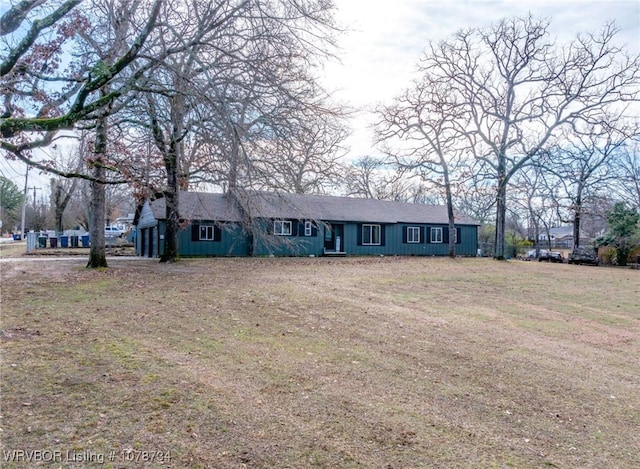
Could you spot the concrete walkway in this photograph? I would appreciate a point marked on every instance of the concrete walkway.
(80, 259)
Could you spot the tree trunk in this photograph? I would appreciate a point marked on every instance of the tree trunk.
(58, 206)
(172, 158)
(97, 251)
(452, 221)
(536, 234)
(60, 202)
(576, 220)
(171, 196)
(59, 227)
(501, 213)
(234, 160)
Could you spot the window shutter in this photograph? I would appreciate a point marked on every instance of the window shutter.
(314, 230)
(217, 233)
(382, 236)
(427, 238)
(405, 229)
(300, 228)
(445, 235)
(422, 236)
(195, 232)
(359, 235)
(458, 236)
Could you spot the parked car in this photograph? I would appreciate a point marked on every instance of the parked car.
(586, 256)
(551, 256)
(112, 232)
(533, 254)
(545, 255)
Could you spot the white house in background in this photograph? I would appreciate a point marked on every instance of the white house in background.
(558, 234)
(125, 223)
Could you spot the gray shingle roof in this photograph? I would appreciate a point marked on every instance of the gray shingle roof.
(210, 206)
(201, 206)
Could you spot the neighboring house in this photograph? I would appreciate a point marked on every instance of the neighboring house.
(561, 237)
(126, 223)
(560, 233)
(303, 225)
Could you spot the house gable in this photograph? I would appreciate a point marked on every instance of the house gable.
(146, 217)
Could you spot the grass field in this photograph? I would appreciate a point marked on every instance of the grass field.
(12, 249)
(328, 363)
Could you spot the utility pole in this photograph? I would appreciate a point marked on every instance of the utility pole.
(35, 208)
(34, 194)
(24, 202)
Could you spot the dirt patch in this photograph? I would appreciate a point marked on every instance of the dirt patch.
(355, 362)
(18, 333)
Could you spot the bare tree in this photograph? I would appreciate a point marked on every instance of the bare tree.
(168, 135)
(533, 192)
(63, 189)
(583, 161)
(306, 162)
(627, 187)
(426, 129)
(475, 197)
(240, 85)
(519, 89)
(108, 42)
(374, 178)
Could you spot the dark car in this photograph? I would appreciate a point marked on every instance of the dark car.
(550, 256)
(583, 256)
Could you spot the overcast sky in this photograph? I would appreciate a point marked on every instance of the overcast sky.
(385, 39)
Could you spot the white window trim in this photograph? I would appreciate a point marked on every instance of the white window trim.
(434, 238)
(455, 235)
(414, 237)
(308, 228)
(279, 228)
(209, 229)
(373, 228)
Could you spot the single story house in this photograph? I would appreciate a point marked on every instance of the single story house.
(559, 233)
(280, 224)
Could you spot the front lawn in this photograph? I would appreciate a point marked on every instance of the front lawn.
(296, 363)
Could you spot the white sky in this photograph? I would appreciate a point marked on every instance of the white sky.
(385, 39)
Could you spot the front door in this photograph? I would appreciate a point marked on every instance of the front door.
(142, 234)
(151, 241)
(334, 237)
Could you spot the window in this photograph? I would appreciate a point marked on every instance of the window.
(282, 228)
(308, 228)
(371, 234)
(413, 234)
(328, 234)
(207, 233)
(436, 235)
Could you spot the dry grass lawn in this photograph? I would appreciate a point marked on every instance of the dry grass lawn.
(328, 363)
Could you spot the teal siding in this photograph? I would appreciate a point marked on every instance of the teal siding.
(469, 241)
(296, 244)
(394, 241)
(233, 241)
